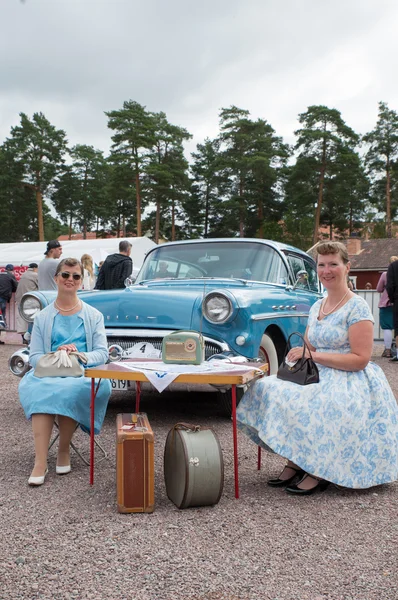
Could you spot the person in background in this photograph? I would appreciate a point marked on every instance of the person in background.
(392, 291)
(350, 285)
(8, 285)
(116, 268)
(89, 277)
(27, 283)
(163, 270)
(343, 429)
(67, 324)
(386, 317)
(48, 266)
(368, 286)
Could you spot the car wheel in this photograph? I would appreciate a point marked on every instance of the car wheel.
(267, 353)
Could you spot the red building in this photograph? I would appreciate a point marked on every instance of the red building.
(369, 258)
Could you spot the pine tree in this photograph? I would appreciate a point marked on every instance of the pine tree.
(133, 139)
(380, 158)
(40, 148)
(322, 138)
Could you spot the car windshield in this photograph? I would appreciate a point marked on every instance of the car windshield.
(234, 260)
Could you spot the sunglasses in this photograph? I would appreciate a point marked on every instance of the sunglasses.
(75, 276)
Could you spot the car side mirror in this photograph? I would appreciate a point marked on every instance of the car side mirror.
(301, 279)
(129, 281)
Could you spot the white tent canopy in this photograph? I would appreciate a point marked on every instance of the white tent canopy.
(21, 254)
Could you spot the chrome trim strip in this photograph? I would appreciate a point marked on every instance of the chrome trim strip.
(266, 317)
(158, 333)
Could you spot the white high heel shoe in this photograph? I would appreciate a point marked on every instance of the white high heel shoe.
(37, 480)
(63, 470)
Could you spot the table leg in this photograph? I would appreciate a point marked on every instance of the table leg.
(92, 405)
(137, 396)
(235, 438)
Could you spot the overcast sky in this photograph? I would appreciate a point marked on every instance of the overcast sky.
(75, 59)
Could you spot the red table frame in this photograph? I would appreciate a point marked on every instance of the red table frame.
(232, 378)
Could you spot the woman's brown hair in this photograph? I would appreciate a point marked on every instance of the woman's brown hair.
(329, 247)
(69, 262)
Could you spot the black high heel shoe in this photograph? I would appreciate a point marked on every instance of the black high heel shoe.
(282, 482)
(319, 487)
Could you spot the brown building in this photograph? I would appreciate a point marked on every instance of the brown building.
(369, 258)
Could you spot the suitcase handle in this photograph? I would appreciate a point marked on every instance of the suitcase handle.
(187, 426)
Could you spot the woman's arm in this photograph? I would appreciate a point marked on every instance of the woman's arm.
(99, 354)
(360, 336)
(381, 284)
(36, 345)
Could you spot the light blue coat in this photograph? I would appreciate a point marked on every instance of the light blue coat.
(97, 348)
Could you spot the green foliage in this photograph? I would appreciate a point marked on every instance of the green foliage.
(326, 160)
(166, 175)
(18, 213)
(133, 139)
(53, 228)
(245, 181)
(381, 162)
(39, 148)
(251, 160)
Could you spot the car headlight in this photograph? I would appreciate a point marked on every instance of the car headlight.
(217, 308)
(30, 306)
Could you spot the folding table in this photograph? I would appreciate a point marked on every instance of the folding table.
(249, 372)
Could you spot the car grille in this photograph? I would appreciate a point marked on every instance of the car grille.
(126, 343)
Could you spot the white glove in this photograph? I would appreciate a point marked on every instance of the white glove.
(61, 359)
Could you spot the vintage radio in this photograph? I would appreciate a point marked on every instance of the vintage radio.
(183, 347)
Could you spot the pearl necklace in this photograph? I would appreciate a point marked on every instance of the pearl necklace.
(334, 308)
(66, 309)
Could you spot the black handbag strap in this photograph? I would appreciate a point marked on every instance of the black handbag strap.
(289, 346)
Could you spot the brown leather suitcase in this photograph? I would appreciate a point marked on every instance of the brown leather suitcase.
(134, 463)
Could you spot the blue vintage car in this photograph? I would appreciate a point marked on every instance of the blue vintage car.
(244, 295)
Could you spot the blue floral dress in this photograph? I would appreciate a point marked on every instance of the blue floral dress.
(67, 396)
(343, 429)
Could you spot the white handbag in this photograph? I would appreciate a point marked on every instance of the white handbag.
(61, 364)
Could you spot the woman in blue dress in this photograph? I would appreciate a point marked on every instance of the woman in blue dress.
(71, 325)
(343, 429)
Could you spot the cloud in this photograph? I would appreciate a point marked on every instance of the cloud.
(75, 59)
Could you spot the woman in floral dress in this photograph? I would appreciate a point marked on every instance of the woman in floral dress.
(343, 429)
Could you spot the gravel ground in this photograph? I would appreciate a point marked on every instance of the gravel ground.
(66, 540)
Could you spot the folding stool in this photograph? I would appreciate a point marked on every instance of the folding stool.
(72, 445)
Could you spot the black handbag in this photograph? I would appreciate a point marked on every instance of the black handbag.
(304, 371)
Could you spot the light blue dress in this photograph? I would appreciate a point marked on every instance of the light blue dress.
(68, 396)
(343, 429)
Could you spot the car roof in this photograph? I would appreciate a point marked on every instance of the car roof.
(276, 245)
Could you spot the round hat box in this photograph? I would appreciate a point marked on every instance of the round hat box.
(193, 466)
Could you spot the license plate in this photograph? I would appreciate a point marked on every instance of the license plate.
(120, 385)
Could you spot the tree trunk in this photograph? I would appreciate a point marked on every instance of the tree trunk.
(320, 194)
(173, 225)
(260, 215)
(70, 225)
(138, 197)
(388, 201)
(40, 222)
(207, 212)
(241, 210)
(157, 222)
(118, 225)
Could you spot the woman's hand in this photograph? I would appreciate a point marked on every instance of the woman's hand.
(296, 353)
(68, 348)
